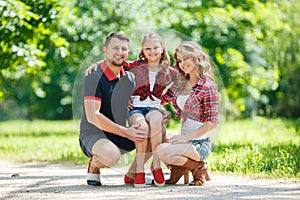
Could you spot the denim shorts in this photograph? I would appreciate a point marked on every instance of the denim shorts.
(203, 147)
(142, 110)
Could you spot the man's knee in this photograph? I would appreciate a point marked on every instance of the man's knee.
(105, 153)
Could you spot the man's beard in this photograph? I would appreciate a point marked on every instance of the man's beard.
(116, 64)
(112, 62)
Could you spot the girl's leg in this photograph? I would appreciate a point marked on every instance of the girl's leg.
(141, 149)
(133, 167)
(154, 119)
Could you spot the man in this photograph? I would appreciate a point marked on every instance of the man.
(106, 93)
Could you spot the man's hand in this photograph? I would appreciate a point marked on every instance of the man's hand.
(135, 134)
(89, 70)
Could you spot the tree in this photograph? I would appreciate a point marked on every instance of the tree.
(234, 34)
(284, 54)
(27, 29)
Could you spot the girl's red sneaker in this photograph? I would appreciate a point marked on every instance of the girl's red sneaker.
(139, 180)
(159, 179)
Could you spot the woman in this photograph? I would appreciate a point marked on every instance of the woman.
(196, 101)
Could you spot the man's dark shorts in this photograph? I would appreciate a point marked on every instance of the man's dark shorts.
(89, 137)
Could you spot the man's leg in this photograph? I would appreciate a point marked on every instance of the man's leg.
(105, 154)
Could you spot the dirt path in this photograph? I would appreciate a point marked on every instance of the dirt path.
(58, 181)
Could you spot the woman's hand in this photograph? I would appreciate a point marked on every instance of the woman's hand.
(92, 67)
(177, 139)
(166, 116)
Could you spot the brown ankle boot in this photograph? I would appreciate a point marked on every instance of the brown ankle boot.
(199, 174)
(191, 164)
(207, 175)
(176, 173)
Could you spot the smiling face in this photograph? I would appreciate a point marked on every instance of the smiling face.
(116, 52)
(186, 63)
(152, 49)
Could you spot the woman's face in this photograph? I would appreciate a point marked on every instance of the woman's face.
(186, 63)
(152, 50)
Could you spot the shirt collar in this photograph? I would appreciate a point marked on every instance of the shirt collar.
(201, 81)
(111, 76)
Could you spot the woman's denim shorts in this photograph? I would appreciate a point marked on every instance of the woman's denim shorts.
(203, 147)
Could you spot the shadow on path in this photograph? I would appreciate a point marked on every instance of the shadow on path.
(58, 181)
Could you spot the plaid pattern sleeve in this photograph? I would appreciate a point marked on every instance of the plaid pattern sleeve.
(211, 101)
(202, 104)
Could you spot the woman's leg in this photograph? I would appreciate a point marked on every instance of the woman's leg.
(176, 154)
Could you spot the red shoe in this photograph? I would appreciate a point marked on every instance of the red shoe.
(139, 180)
(128, 180)
(159, 179)
(148, 180)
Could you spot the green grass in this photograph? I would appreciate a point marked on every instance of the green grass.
(260, 147)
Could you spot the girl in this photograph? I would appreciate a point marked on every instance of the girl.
(196, 100)
(152, 76)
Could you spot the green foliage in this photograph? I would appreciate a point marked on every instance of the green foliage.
(262, 148)
(234, 34)
(284, 53)
(46, 43)
(28, 30)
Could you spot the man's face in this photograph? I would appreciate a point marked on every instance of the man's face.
(116, 52)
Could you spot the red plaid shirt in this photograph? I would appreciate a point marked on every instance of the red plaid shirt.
(201, 105)
(141, 71)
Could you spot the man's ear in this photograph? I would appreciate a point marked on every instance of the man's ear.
(104, 50)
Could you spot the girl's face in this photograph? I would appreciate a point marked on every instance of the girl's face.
(186, 63)
(152, 50)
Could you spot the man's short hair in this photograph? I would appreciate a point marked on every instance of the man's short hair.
(118, 35)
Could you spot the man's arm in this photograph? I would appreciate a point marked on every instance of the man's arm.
(94, 117)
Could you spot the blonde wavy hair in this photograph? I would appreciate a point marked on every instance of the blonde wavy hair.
(200, 57)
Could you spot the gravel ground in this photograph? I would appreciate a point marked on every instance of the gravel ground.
(64, 181)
